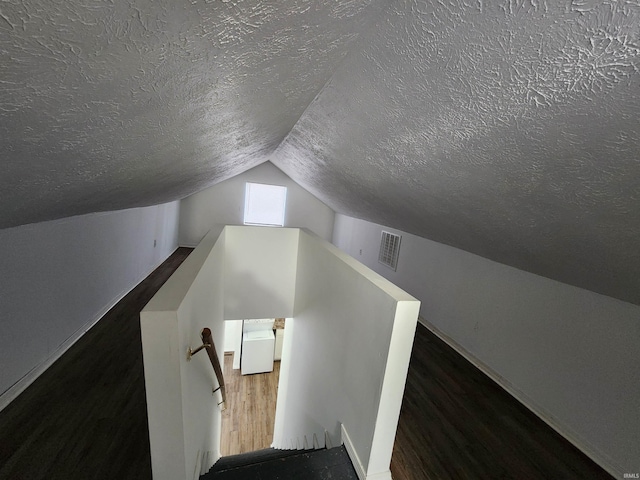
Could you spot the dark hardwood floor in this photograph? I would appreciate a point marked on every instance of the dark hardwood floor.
(456, 423)
(86, 416)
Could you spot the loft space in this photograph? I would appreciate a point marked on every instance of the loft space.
(508, 129)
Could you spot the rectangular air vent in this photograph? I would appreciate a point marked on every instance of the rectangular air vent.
(389, 249)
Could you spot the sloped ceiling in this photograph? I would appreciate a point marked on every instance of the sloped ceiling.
(113, 104)
(510, 129)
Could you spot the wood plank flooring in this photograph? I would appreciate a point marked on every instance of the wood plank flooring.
(456, 423)
(248, 420)
(86, 416)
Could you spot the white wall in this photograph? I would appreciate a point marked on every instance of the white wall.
(58, 278)
(184, 418)
(569, 354)
(351, 327)
(233, 340)
(224, 204)
(345, 369)
(203, 306)
(260, 272)
(241, 270)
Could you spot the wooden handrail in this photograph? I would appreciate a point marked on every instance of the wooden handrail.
(207, 343)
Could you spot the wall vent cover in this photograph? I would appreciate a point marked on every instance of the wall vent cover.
(389, 249)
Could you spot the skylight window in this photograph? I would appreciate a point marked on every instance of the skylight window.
(264, 204)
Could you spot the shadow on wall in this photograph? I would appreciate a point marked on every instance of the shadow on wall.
(246, 288)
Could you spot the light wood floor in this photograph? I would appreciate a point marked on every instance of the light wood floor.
(248, 420)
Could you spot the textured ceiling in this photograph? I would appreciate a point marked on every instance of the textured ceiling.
(113, 104)
(510, 129)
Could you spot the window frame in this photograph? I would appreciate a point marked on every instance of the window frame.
(248, 213)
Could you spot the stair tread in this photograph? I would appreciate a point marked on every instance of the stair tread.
(258, 456)
(308, 465)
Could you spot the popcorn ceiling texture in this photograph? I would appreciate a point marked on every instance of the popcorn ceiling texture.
(113, 104)
(510, 129)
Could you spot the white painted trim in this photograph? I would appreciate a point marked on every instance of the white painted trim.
(380, 476)
(524, 400)
(32, 375)
(355, 460)
(197, 471)
(327, 440)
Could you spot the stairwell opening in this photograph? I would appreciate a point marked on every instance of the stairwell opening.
(248, 420)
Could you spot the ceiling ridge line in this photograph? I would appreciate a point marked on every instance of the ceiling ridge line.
(355, 45)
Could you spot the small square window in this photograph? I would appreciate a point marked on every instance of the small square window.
(264, 204)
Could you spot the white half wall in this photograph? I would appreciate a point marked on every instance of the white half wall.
(184, 417)
(260, 272)
(223, 204)
(60, 277)
(569, 354)
(347, 358)
(348, 347)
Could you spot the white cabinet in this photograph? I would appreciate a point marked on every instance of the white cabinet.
(257, 351)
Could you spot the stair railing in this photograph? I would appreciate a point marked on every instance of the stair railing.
(207, 343)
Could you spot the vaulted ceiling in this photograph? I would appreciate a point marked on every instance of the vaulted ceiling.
(510, 129)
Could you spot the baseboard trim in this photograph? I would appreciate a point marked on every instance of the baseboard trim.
(355, 460)
(32, 375)
(380, 476)
(524, 400)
